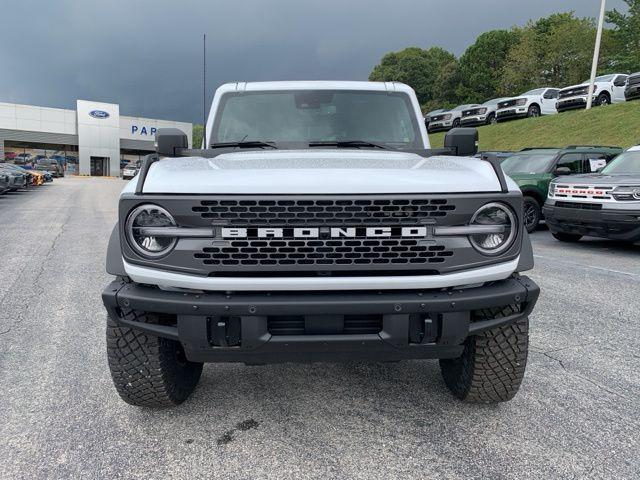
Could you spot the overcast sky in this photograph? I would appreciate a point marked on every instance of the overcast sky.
(146, 55)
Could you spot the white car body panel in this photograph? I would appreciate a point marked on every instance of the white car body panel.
(334, 171)
(169, 280)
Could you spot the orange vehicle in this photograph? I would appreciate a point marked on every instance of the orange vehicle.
(38, 177)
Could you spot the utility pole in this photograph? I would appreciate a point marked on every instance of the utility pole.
(596, 54)
(204, 90)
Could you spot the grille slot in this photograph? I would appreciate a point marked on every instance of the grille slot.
(351, 325)
(321, 252)
(322, 212)
(582, 206)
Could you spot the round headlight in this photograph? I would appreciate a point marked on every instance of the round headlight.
(144, 218)
(494, 214)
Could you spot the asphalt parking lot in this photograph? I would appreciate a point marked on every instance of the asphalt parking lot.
(576, 416)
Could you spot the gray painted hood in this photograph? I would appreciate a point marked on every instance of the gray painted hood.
(320, 172)
(599, 179)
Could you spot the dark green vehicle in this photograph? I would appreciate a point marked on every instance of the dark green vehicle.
(532, 169)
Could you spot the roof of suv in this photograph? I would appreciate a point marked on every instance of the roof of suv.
(316, 85)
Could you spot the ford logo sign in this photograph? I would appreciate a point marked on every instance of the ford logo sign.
(98, 114)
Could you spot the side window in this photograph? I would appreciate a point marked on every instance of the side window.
(552, 93)
(573, 161)
(620, 81)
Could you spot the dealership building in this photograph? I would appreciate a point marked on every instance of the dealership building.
(93, 139)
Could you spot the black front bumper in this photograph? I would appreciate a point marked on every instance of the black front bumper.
(510, 114)
(573, 104)
(239, 327)
(606, 223)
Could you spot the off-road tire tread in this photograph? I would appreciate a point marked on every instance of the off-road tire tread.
(492, 365)
(144, 367)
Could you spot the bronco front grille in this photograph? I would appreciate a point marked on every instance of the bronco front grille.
(312, 212)
(324, 252)
(581, 206)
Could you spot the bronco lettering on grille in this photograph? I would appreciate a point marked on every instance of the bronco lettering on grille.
(325, 232)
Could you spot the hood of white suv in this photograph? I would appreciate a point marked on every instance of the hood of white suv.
(319, 172)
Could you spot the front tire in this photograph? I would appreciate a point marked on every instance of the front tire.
(492, 365)
(456, 123)
(531, 213)
(149, 371)
(603, 100)
(533, 111)
(566, 237)
(492, 120)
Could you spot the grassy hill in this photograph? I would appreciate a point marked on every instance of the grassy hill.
(617, 125)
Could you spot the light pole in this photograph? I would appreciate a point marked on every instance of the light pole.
(596, 54)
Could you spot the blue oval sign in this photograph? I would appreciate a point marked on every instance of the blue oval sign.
(99, 114)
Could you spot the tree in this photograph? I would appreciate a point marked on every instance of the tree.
(480, 66)
(626, 35)
(554, 51)
(198, 133)
(431, 73)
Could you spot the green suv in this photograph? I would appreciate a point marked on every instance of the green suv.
(533, 168)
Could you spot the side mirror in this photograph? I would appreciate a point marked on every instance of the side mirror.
(463, 142)
(563, 171)
(170, 139)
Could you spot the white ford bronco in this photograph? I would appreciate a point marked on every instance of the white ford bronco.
(317, 225)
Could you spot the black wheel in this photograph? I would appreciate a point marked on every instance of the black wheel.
(456, 123)
(531, 213)
(534, 111)
(492, 364)
(603, 99)
(566, 237)
(149, 371)
(492, 120)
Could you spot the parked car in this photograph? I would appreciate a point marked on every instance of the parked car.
(9, 156)
(533, 169)
(130, 170)
(484, 114)
(428, 117)
(45, 164)
(22, 158)
(604, 205)
(29, 178)
(536, 102)
(607, 89)
(18, 179)
(632, 87)
(448, 119)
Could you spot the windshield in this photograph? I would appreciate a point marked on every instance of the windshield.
(625, 163)
(317, 116)
(531, 162)
(464, 107)
(537, 91)
(495, 101)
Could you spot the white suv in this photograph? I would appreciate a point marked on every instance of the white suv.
(607, 89)
(484, 114)
(540, 101)
(449, 119)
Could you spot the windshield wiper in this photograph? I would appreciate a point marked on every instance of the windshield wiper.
(350, 144)
(245, 144)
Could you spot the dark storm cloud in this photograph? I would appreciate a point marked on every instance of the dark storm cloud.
(147, 55)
